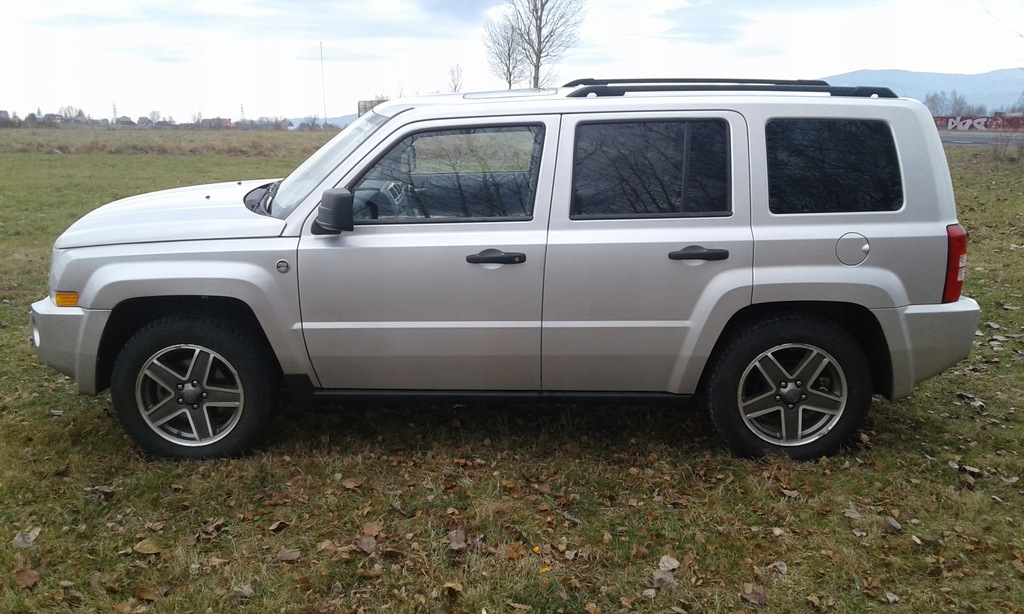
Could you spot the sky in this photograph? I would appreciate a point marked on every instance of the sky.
(288, 58)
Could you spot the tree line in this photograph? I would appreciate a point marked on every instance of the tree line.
(954, 103)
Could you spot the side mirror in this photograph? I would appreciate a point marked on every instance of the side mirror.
(335, 212)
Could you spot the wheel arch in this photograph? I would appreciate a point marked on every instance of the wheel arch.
(129, 316)
(856, 320)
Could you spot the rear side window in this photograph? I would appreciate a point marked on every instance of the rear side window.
(642, 169)
(832, 166)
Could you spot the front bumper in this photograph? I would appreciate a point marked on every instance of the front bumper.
(68, 339)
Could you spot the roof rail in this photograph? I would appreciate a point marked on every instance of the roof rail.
(620, 87)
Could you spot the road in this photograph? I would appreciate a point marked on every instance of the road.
(981, 138)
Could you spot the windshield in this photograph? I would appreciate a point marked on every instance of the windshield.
(303, 180)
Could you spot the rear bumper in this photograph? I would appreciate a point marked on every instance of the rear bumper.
(67, 339)
(925, 340)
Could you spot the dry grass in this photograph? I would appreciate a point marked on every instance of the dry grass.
(437, 508)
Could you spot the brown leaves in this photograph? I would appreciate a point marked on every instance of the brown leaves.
(367, 543)
(288, 555)
(26, 579)
(457, 539)
(147, 547)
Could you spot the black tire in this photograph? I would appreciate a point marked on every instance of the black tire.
(194, 387)
(790, 385)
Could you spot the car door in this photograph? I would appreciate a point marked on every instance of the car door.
(439, 285)
(649, 249)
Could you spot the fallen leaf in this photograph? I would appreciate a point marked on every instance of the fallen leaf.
(24, 539)
(146, 594)
(288, 555)
(892, 524)
(367, 544)
(665, 580)
(243, 592)
(26, 578)
(147, 547)
(327, 547)
(369, 574)
(779, 567)
(352, 483)
(668, 563)
(278, 526)
(372, 529)
(452, 590)
(791, 494)
(753, 594)
(457, 539)
(891, 598)
(518, 606)
(852, 514)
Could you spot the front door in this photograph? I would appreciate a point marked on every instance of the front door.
(439, 286)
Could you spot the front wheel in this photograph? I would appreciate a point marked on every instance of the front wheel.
(193, 387)
(797, 386)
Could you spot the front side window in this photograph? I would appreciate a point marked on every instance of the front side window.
(832, 166)
(638, 169)
(462, 174)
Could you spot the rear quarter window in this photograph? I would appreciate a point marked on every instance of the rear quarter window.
(832, 166)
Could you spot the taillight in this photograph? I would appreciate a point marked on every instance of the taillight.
(956, 263)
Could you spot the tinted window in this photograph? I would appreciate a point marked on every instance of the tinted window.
(454, 175)
(832, 166)
(651, 168)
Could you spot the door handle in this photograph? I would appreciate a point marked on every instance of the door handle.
(701, 254)
(496, 258)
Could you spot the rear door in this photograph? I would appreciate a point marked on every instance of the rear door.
(649, 249)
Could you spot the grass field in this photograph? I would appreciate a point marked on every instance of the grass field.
(444, 509)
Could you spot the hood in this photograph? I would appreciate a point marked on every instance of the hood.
(214, 211)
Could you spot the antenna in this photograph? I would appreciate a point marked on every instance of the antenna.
(323, 83)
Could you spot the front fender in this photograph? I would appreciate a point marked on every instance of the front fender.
(258, 272)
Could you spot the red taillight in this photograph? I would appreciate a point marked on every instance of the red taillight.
(956, 263)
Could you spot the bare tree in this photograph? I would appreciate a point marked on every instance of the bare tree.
(546, 30)
(504, 53)
(455, 78)
(953, 103)
(154, 116)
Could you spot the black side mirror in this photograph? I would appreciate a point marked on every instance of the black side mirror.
(335, 212)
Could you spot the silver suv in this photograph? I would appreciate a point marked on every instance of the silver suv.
(782, 250)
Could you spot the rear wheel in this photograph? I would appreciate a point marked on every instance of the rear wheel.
(193, 387)
(798, 386)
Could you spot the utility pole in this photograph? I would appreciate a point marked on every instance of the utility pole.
(115, 112)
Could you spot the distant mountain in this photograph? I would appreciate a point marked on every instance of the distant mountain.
(340, 122)
(996, 90)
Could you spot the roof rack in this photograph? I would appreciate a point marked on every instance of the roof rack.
(620, 87)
